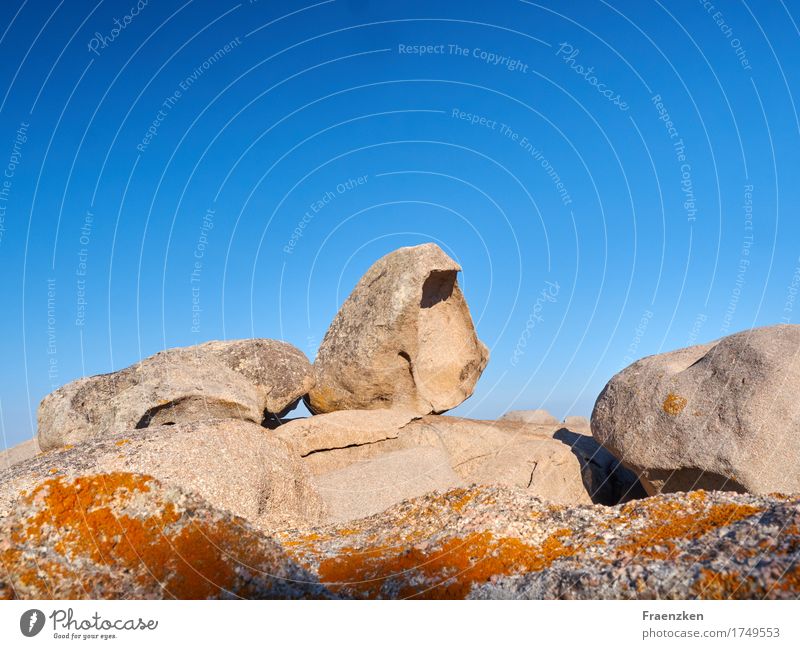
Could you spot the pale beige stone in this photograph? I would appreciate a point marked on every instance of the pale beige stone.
(233, 464)
(724, 415)
(404, 338)
(239, 379)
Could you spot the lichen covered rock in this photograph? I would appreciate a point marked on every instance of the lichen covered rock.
(233, 464)
(126, 536)
(496, 542)
(123, 535)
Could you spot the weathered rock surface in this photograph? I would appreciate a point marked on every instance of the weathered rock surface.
(19, 453)
(535, 417)
(366, 488)
(340, 430)
(233, 464)
(504, 453)
(550, 461)
(501, 542)
(122, 536)
(404, 338)
(239, 379)
(126, 536)
(719, 416)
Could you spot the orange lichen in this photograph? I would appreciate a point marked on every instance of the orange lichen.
(673, 404)
(122, 442)
(732, 585)
(463, 500)
(87, 519)
(673, 521)
(448, 572)
(720, 585)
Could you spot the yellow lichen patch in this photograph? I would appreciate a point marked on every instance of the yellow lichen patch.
(673, 404)
(448, 572)
(122, 442)
(87, 519)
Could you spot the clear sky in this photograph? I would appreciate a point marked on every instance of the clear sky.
(616, 178)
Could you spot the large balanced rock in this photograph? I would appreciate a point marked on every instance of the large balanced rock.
(127, 536)
(239, 379)
(231, 463)
(404, 338)
(719, 416)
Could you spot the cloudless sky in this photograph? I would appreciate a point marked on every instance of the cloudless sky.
(635, 160)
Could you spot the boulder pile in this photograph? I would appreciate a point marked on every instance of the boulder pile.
(181, 476)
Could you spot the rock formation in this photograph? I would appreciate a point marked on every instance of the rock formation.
(178, 477)
(719, 416)
(239, 379)
(536, 417)
(123, 535)
(556, 464)
(404, 338)
(127, 536)
(232, 464)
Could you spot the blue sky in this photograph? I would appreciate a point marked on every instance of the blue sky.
(616, 178)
